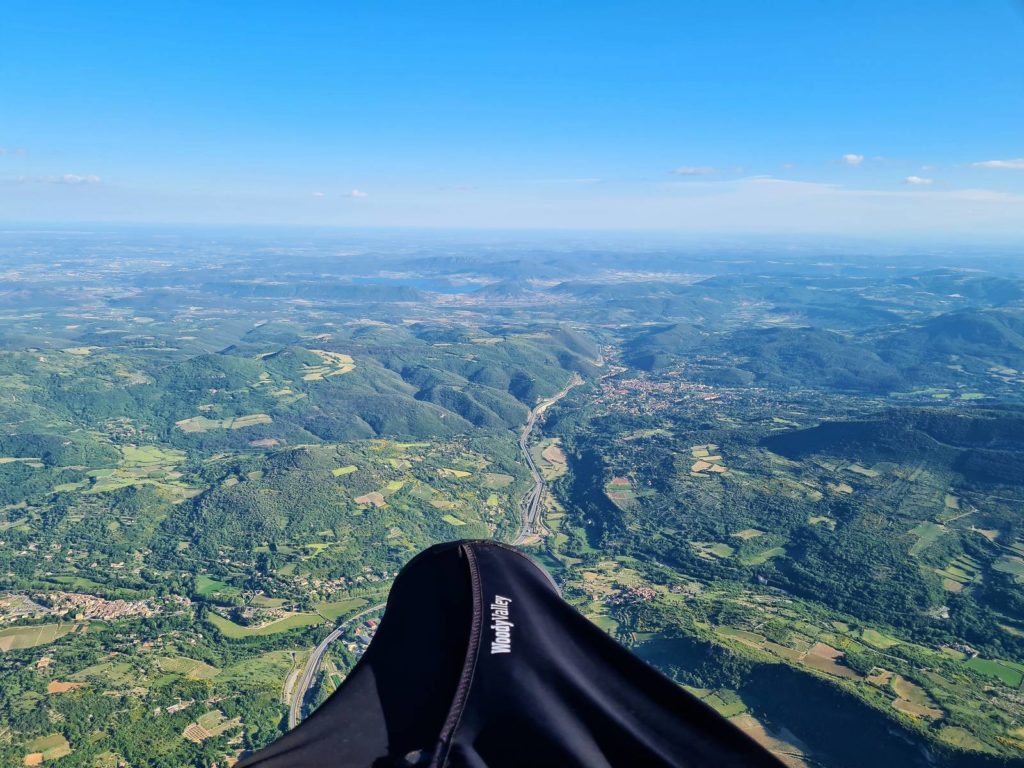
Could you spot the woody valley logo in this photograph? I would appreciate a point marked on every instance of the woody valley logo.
(502, 642)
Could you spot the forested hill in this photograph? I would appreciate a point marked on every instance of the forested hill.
(944, 350)
(984, 447)
(792, 483)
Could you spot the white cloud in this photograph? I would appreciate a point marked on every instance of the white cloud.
(566, 180)
(357, 193)
(318, 194)
(74, 178)
(813, 186)
(917, 180)
(852, 159)
(67, 178)
(694, 170)
(1013, 165)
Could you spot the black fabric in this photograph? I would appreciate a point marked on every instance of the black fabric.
(478, 663)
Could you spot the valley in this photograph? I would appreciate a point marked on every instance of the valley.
(795, 488)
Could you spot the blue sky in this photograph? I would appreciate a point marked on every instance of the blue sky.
(868, 118)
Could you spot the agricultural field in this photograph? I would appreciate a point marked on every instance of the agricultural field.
(708, 550)
(47, 748)
(927, 533)
(209, 725)
(118, 673)
(1010, 673)
(550, 458)
(17, 638)
(1012, 565)
(334, 364)
(780, 515)
(235, 632)
(620, 491)
(204, 424)
(794, 487)
(962, 571)
(332, 611)
(190, 668)
(208, 587)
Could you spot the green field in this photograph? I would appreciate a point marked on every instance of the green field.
(262, 601)
(708, 549)
(763, 557)
(497, 480)
(1012, 565)
(149, 454)
(726, 703)
(207, 587)
(876, 639)
(962, 739)
(204, 424)
(960, 571)
(748, 533)
(52, 747)
(927, 533)
(266, 670)
(191, 668)
(750, 638)
(76, 582)
(334, 611)
(607, 623)
(236, 631)
(110, 673)
(1008, 672)
(16, 638)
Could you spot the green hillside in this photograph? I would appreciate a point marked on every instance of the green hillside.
(794, 487)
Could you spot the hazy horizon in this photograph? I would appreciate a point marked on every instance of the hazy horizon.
(660, 117)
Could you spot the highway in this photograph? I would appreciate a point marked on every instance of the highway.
(529, 511)
(529, 507)
(299, 695)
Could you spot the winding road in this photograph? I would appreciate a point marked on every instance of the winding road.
(529, 508)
